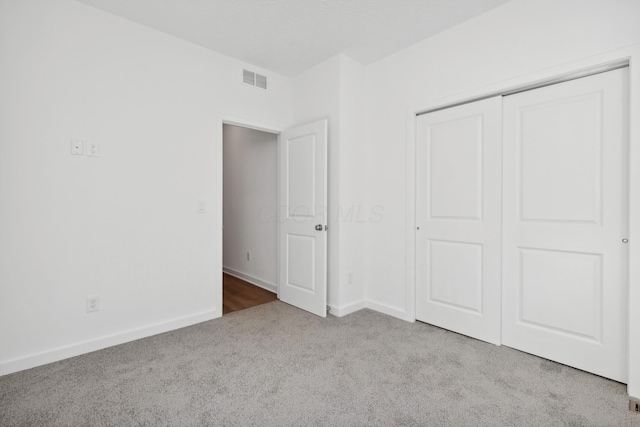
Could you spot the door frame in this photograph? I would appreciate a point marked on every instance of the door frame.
(629, 56)
(228, 119)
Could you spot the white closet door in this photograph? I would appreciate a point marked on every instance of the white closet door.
(458, 200)
(564, 262)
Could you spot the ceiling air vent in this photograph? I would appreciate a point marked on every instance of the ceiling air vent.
(254, 79)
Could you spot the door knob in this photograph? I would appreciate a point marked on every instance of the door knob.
(318, 227)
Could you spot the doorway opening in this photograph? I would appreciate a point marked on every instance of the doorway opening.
(298, 207)
(249, 217)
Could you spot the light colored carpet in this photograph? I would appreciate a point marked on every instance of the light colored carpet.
(275, 365)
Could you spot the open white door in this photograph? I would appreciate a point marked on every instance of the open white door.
(303, 217)
(458, 186)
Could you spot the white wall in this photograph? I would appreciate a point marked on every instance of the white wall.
(249, 204)
(122, 226)
(334, 89)
(316, 95)
(353, 214)
(520, 38)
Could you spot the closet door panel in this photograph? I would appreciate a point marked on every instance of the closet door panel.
(565, 175)
(458, 216)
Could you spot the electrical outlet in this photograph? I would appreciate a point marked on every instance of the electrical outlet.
(248, 256)
(93, 149)
(634, 405)
(93, 304)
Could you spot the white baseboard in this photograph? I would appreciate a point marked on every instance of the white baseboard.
(381, 308)
(54, 355)
(271, 287)
(60, 353)
(391, 311)
(347, 309)
(359, 305)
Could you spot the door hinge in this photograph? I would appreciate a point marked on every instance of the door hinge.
(326, 227)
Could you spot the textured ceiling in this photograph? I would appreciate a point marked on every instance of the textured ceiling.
(289, 36)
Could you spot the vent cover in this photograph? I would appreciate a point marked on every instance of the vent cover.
(248, 77)
(261, 81)
(254, 79)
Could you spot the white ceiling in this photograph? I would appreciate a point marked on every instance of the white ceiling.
(289, 36)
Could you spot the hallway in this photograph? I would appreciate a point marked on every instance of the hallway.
(238, 294)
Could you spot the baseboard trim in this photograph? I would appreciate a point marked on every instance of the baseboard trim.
(253, 280)
(391, 311)
(60, 353)
(381, 308)
(347, 309)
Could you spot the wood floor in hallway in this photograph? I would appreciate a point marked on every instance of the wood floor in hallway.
(238, 294)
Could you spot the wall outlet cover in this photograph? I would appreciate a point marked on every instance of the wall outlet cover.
(93, 304)
(93, 149)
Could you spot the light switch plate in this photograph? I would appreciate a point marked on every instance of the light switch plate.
(77, 147)
(202, 206)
